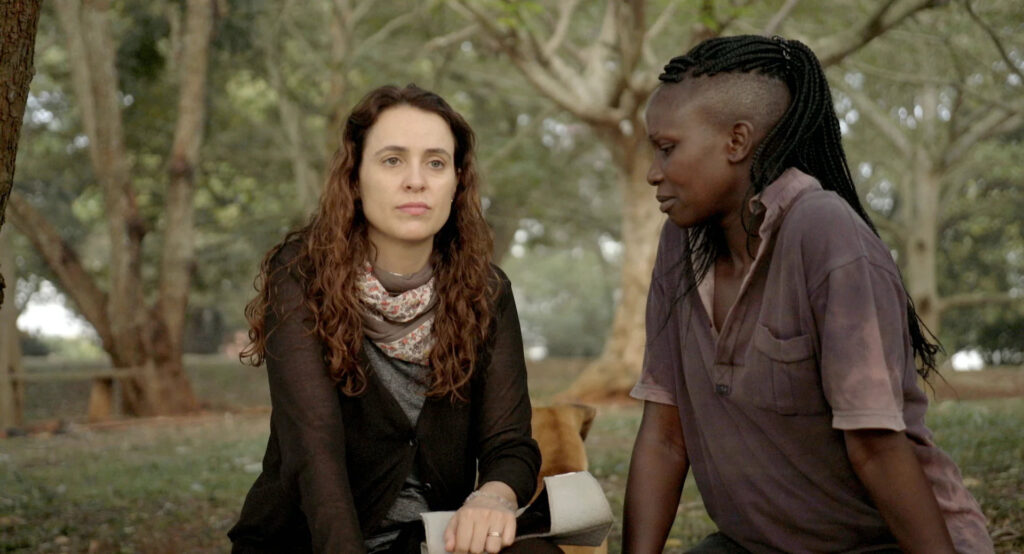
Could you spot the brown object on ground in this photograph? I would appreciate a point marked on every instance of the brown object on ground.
(44, 428)
(993, 382)
(560, 431)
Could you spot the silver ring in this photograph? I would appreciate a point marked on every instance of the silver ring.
(493, 534)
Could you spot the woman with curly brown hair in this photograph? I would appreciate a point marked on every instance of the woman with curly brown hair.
(393, 352)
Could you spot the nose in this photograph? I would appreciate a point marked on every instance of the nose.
(654, 174)
(414, 179)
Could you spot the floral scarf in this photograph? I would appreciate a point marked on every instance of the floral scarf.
(398, 312)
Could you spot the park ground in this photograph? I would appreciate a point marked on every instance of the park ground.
(169, 485)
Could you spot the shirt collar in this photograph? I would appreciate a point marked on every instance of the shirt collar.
(778, 196)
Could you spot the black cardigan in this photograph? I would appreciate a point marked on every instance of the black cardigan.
(335, 464)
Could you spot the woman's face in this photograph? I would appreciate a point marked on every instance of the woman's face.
(407, 180)
(696, 182)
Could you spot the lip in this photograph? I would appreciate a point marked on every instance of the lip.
(414, 208)
(666, 202)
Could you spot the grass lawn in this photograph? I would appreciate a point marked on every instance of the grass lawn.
(175, 485)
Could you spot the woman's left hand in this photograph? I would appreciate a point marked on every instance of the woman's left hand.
(486, 522)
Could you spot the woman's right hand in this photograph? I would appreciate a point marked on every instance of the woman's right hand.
(486, 522)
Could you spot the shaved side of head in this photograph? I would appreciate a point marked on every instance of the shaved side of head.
(727, 98)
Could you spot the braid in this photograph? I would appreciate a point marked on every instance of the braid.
(807, 137)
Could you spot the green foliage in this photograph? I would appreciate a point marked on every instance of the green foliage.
(543, 169)
(565, 298)
(33, 344)
(76, 348)
(947, 58)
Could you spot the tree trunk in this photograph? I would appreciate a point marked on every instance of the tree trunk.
(147, 341)
(167, 348)
(12, 395)
(18, 22)
(616, 371)
(921, 240)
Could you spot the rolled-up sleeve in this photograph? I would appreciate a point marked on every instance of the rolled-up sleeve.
(662, 358)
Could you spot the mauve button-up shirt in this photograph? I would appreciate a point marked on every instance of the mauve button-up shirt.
(815, 344)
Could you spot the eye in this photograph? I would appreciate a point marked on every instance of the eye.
(436, 164)
(666, 149)
(391, 161)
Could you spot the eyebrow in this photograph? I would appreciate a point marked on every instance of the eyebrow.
(403, 150)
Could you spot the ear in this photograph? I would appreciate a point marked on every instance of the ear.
(741, 141)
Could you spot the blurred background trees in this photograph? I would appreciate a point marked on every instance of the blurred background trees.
(150, 205)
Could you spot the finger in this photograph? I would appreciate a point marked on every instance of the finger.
(509, 534)
(480, 530)
(494, 541)
(497, 523)
(449, 534)
(463, 533)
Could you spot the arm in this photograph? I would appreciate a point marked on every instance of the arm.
(508, 456)
(657, 472)
(886, 464)
(307, 419)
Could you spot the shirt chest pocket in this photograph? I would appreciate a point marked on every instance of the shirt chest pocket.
(792, 382)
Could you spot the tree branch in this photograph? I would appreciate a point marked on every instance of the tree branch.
(69, 17)
(773, 26)
(384, 31)
(881, 120)
(898, 76)
(597, 55)
(178, 255)
(995, 122)
(659, 24)
(995, 40)
(889, 14)
(971, 299)
(565, 10)
(459, 35)
(559, 88)
(97, 92)
(62, 259)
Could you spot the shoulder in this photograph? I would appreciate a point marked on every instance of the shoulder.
(673, 258)
(498, 278)
(499, 285)
(673, 239)
(285, 253)
(828, 234)
(285, 261)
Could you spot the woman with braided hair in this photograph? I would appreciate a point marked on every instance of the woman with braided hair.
(394, 354)
(783, 351)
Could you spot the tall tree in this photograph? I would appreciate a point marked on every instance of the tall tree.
(935, 114)
(600, 62)
(137, 334)
(18, 21)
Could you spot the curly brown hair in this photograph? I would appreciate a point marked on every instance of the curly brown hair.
(333, 246)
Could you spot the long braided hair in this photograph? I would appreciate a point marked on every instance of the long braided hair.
(807, 137)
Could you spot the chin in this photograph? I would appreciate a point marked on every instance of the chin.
(682, 221)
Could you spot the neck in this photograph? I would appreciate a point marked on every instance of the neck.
(398, 257)
(739, 257)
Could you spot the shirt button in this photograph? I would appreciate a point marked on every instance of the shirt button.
(722, 390)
